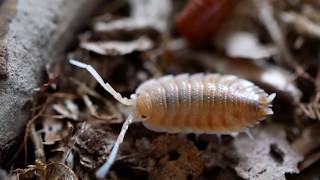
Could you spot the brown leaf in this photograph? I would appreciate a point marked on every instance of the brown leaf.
(54, 130)
(67, 110)
(117, 47)
(307, 145)
(58, 171)
(52, 171)
(241, 44)
(255, 161)
(94, 146)
(177, 158)
(144, 13)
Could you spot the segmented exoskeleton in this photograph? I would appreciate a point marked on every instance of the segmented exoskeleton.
(199, 103)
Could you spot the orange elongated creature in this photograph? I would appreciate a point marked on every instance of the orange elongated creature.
(198, 103)
(200, 19)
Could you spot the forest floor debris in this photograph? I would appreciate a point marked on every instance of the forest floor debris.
(128, 42)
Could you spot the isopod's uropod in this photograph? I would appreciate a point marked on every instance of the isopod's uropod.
(200, 103)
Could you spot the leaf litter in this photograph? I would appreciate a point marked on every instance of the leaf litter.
(74, 123)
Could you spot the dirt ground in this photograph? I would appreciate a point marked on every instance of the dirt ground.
(274, 44)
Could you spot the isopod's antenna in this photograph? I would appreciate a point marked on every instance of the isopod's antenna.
(104, 169)
(106, 86)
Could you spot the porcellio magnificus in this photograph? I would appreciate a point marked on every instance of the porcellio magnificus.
(200, 19)
(198, 103)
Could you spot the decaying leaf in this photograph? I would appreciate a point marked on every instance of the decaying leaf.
(239, 37)
(118, 47)
(51, 171)
(255, 155)
(54, 130)
(139, 41)
(246, 45)
(127, 24)
(144, 13)
(306, 22)
(93, 146)
(60, 171)
(312, 109)
(218, 153)
(307, 144)
(177, 158)
(68, 110)
(101, 109)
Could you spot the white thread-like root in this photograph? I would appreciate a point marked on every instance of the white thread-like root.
(106, 86)
(104, 169)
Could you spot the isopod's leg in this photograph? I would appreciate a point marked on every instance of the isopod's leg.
(249, 134)
(104, 169)
(219, 137)
(106, 86)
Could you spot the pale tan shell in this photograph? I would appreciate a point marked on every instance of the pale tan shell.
(199, 103)
(204, 103)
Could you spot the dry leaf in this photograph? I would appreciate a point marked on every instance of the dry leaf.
(144, 14)
(239, 36)
(240, 44)
(117, 47)
(307, 145)
(255, 155)
(54, 130)
(302, 24)
(177, 158)
(51, 171)
(153, 13)
(58, 171)
(94, 146)
(68, 110)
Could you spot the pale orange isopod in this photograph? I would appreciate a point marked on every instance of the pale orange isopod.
(199, 103)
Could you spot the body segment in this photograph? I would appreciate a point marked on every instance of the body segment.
(201, 103)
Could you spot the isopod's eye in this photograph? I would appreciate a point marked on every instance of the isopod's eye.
(143, 116)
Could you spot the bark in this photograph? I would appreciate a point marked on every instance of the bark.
(32, 34)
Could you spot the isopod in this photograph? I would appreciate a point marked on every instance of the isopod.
(198, 103)
(200, 19)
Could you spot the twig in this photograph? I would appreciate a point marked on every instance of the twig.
(266, 16)
(72, 143)
(302, 24)
(312, 109)
(85, 91)
(30, 124)
(37, 143)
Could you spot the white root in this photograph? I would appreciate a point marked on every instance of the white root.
(103, 170)
(106, 86)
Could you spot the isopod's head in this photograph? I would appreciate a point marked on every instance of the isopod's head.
(144, 106)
